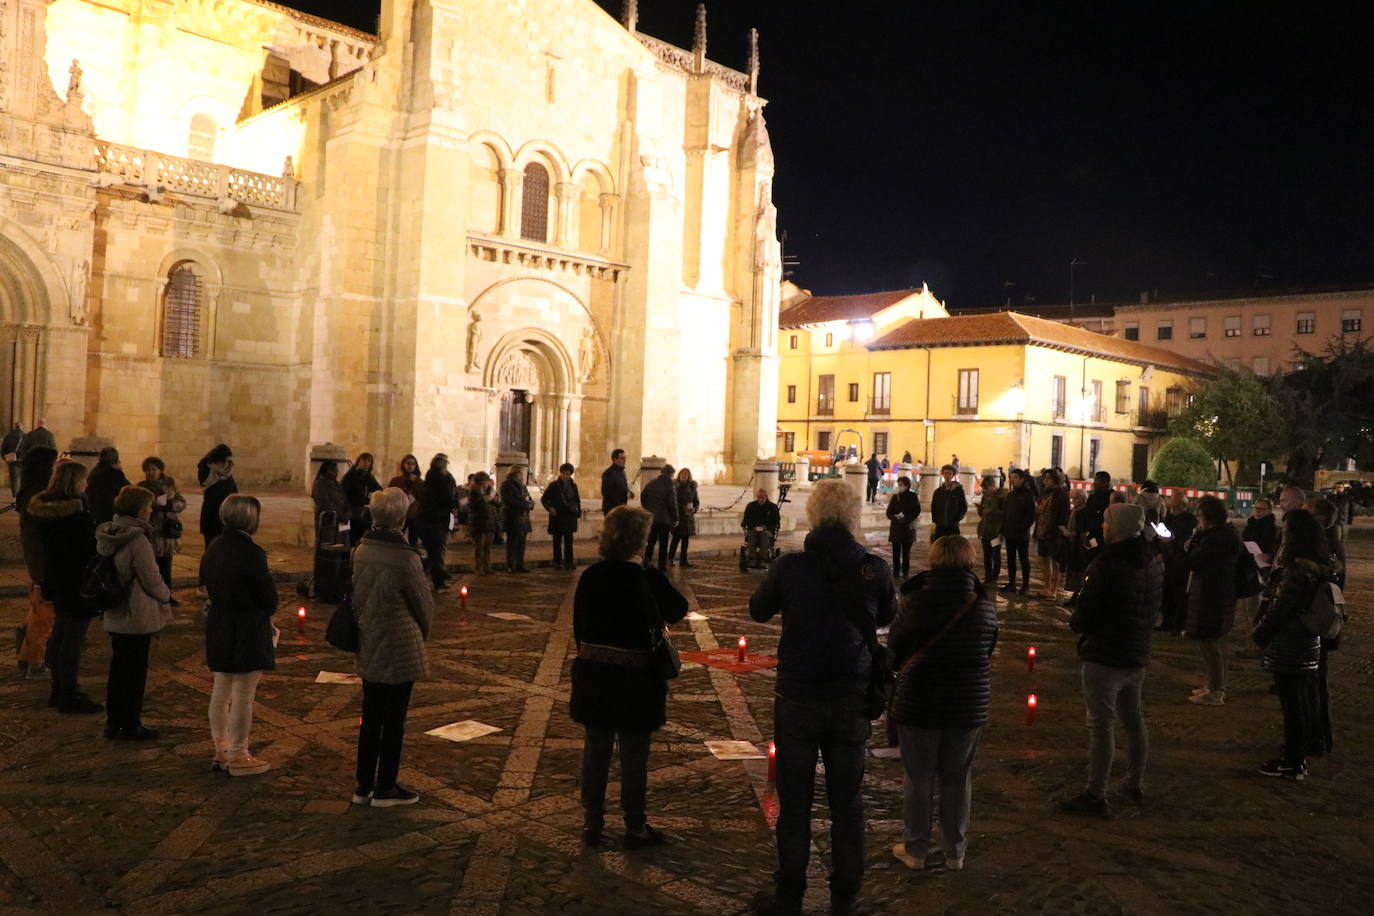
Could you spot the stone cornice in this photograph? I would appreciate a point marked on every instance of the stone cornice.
(528, 254)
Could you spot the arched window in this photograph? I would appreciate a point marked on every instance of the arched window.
(200, 144)
(181, 312)
(534, 207)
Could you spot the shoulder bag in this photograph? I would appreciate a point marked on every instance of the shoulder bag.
(881, 678)
(919, 655)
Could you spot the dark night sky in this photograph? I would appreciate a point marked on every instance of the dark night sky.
(1188, 148)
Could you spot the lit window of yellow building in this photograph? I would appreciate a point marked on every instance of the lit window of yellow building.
(895, 374)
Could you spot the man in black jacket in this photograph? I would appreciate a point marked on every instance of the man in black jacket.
(875, 476)
(1018, 515)
(948, 504)
(1115, 614)
(761, 519)
(823, 670)
(615, 489)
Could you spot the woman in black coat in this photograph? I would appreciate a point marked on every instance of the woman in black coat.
(903, 511)
(359, 483)
(34, 474)
(216, 474)
(942, 641)
(564, 504)
(239, 635)
(1292, 651)
(619, 613)
(1210, 611)
(434, 519)
(67, 533)
(688, 502)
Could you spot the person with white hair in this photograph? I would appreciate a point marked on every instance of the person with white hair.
(832, 597)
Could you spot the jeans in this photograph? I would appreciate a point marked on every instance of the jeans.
(128, 679)
(563, 549)
(37, 628)
(481, 552)
(64, 654)
(380, 734)
(674, 544)
(1111, 692)
(872, 490)
(515, 549)
(658, 535)
(231, 712)
(1018, 548)
(839, 731)
(992, 560)
(756, 545)
(1298, 699)
(926, 754)
(634, 775)
(435, 539)
(1214, 661)
(901, 557)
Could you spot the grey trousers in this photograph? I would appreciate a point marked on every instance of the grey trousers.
(1109, 693)
(932, 756)
(1214, 661)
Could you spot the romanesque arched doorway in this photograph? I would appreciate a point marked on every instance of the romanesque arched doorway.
(24, 307)
(533, 383)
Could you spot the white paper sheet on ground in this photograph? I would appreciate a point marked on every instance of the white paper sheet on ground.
(337, 677)
(734, 750)
(462, 731)
(507, 615)
(695, 616)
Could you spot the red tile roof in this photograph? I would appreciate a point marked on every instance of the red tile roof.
(1015, 328)
(819, 309)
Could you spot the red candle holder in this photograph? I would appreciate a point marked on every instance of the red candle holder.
(1030, 659)
(1030, 709)
(772, 762)
(463, 596)
(742, 644)
(300, 619)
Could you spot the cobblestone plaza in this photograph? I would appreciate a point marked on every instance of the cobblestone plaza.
(92, 825)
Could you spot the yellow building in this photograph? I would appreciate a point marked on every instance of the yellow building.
(998, 390)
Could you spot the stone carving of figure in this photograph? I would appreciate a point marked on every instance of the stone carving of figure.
(474, 342)
(288, 167)
(587, 355)
(80, 278)
(74, 78)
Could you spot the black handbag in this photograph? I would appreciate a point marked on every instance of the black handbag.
(882, 678)
(171, 527)
(342, 632)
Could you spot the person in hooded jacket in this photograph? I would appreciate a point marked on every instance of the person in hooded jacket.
(823, 669)
(103, 484)
(359, 483)
(941, 641)
(903, 512)
(564, 504)
(143, 613)
(1018, 517)
(216, 474)
(1115, 615)
(68, 543)
(35, 471)
(1292, 652)
(1211, 557)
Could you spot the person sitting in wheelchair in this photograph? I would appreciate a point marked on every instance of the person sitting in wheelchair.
(761, 523)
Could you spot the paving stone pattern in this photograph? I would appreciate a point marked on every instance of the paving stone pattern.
(92, 825)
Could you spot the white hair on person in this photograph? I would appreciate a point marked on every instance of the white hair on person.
(834, 502)
(389, 507)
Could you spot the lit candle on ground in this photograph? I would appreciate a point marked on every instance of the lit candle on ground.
(1030, 709)
(300, 619)
(463, 596)
(772, 762)
(1030, 659)
(742, 643)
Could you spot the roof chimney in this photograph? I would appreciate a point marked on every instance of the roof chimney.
(699, 39)
(1144, 297)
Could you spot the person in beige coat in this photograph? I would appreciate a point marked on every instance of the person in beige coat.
(393, 604)
(143, 613)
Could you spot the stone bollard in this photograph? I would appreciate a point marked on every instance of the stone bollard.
(649, 466)
(967, 477)
(766, 478)
(319, 454)
(930, 479)
(85, 450)
(803, 466)
(856, 475)
(507, 460)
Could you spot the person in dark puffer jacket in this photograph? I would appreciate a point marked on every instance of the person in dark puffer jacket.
(1018, 515)
(1292, 652)
(1210, 588)
(941, 703)
(1115, 613)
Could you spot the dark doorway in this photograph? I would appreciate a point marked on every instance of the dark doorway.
(1140, 462)
(515, 422)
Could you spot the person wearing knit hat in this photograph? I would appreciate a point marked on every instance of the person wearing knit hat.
(1115, 615)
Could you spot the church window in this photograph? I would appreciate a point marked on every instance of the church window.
(181, 313)
(791, 394)
(853, 392)
(200, 144)
(534, 208)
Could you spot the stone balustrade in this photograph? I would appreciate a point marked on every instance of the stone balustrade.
(195, 178)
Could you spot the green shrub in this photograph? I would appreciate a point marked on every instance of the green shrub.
(1184, 463)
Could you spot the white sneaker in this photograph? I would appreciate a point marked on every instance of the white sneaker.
(1198, 690)
(1209, 698)
(899, 852)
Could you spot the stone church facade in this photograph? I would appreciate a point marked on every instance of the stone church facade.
(491, 227)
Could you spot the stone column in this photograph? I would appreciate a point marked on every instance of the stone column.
(608, 205)
(511, 186)
(856, 475)
(766, 478)
(565, 194)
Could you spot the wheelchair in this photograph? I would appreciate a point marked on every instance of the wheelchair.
(770, 553)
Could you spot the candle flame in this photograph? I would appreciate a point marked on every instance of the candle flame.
(1030, 700)
(300, 612)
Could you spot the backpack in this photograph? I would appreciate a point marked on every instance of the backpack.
(101, 589)
(1325, 614)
